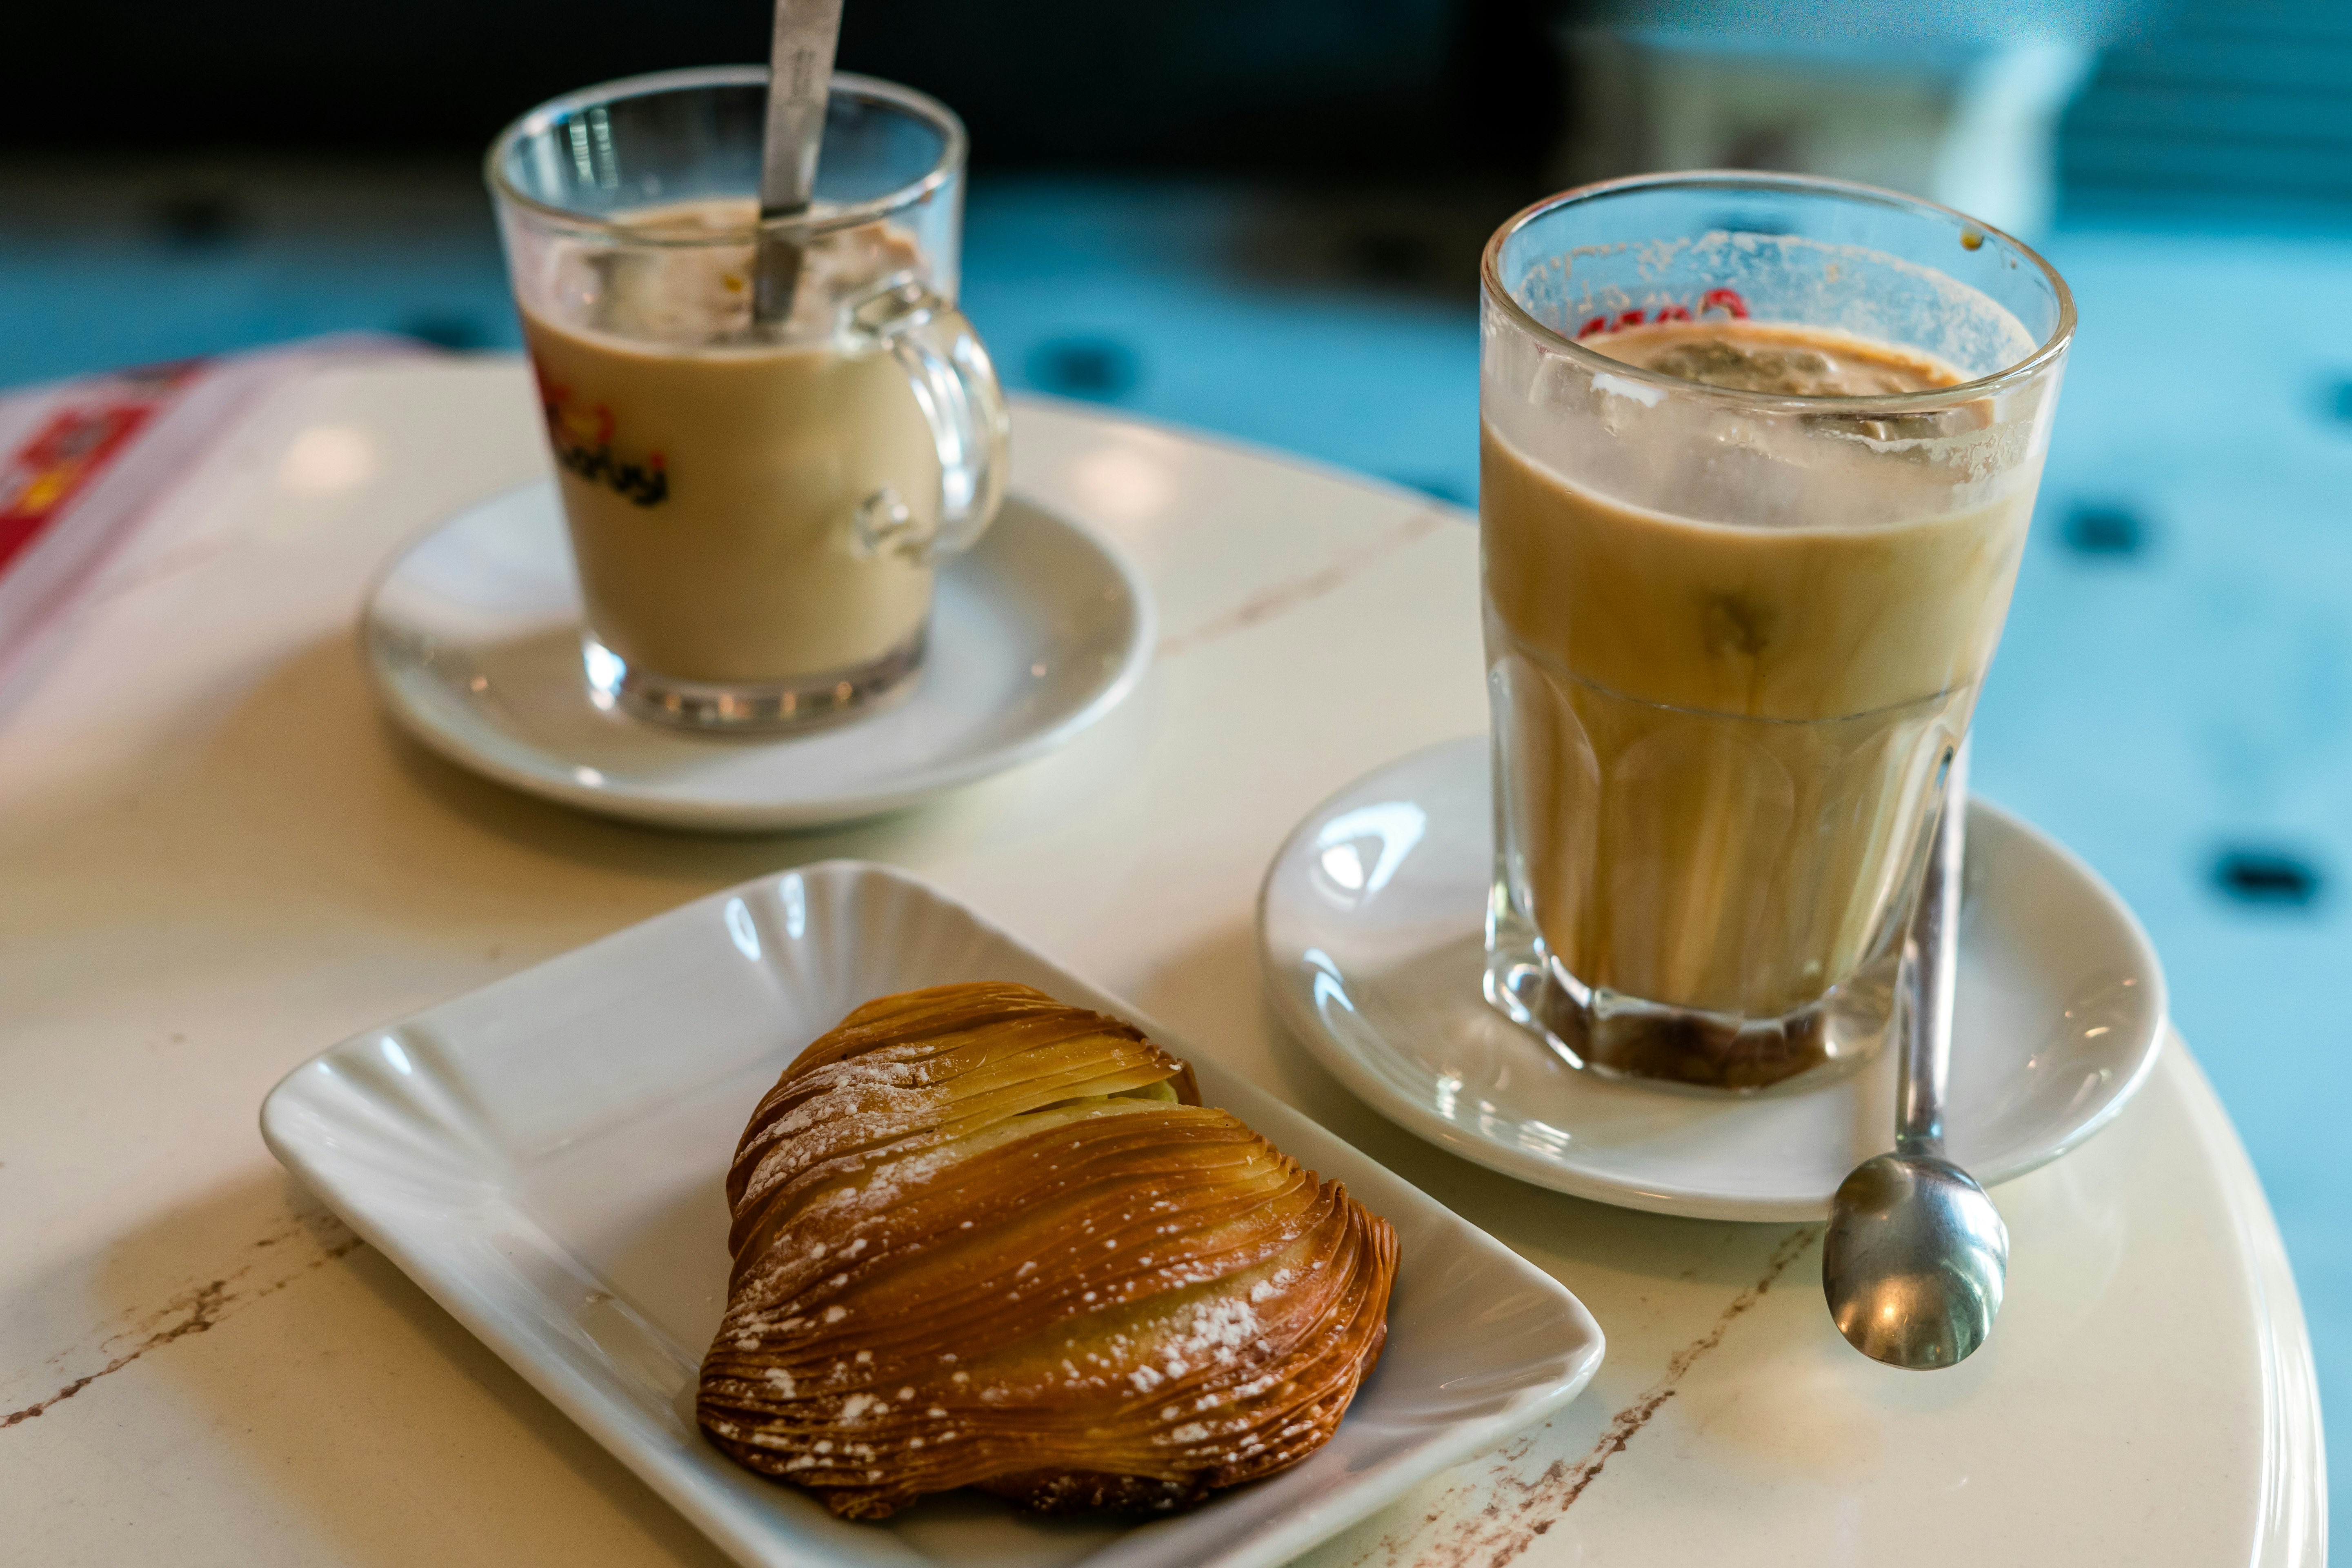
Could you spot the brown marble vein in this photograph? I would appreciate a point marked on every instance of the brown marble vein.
(200, 1308)
(1516, 1512)
(1286, 596)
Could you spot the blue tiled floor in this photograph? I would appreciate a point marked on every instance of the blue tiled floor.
(2174, 698)
(1385, 381)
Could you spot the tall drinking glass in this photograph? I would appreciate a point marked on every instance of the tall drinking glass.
(1735, 631)
(756, 508)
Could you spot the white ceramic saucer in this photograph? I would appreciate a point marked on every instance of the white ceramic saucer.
(472, 638)
(1370, 931)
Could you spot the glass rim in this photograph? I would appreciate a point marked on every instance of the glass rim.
(2045, 354)
(916, 105)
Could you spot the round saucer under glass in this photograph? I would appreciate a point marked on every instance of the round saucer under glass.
(473, 637)
(1371, 937)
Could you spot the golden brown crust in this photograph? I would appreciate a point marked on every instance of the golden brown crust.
(985, 1239)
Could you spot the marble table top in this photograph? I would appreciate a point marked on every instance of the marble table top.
(215, 858)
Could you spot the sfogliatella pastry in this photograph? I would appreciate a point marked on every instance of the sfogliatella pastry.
(985, 1239)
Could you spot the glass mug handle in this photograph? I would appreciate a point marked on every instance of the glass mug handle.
(956, 387)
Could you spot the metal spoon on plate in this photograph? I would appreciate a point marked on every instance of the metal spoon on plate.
(1917, 1256)
(800, 78)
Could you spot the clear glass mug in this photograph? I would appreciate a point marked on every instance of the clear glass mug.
(1733, 637)
(756, 510)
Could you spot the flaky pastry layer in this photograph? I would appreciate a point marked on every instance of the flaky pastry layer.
(985, 1239)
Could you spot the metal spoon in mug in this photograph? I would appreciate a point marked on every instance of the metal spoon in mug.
(800, 77)
(1917, 1256)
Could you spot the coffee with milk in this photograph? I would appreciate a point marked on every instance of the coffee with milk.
(1718, 737)
(732, 493)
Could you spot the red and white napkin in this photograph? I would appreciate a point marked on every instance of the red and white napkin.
(84, 463)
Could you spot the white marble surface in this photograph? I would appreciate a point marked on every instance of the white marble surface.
(215, 858)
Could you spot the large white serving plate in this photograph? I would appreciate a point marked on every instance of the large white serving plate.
(1372, 934)
(546, 1156)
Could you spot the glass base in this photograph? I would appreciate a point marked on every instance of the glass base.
(751, 708)
(1666, 1046)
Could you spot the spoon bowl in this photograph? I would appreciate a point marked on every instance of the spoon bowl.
(1913, 1261)
(1916, 1256)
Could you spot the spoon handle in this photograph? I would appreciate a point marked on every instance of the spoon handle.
(1931, 953)
(800, 78)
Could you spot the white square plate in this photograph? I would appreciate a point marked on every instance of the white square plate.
(546, 1157)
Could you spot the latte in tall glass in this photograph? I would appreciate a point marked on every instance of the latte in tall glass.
(1758, 457)
(1720, 738)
